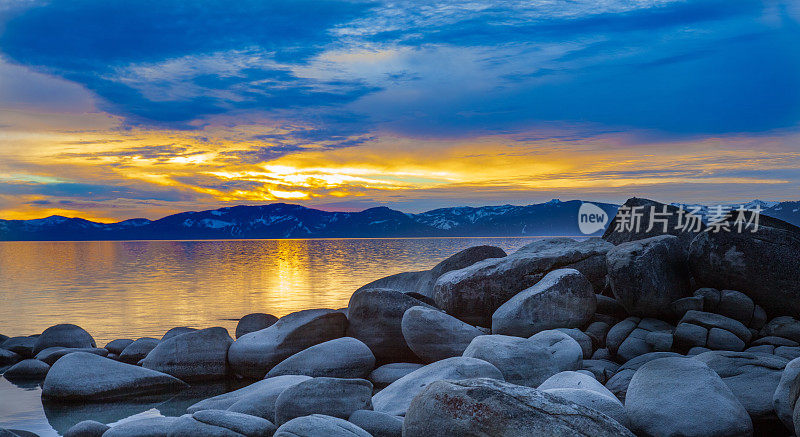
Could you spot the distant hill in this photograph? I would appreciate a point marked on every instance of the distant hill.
(280, 220)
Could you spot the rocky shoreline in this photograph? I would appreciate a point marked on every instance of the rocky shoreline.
(637, 333)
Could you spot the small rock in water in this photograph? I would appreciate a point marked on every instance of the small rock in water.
(27, 369)
(64, 335)
(254, 322)
(377, 424)
(192, 356)
(343, 357)
(434, 335)
(318, 425)
(337, 397)
(389, 373)
(137, 350)
(176, 331)
(87, 428)
(118, 345)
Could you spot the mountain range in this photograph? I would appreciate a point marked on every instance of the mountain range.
(280, 220)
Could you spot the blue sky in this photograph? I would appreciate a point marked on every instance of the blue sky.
(251, 86)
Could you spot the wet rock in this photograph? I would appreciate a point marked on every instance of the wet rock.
(87, 428)
(628, 338)
(192, 356)
(337, 397)
(118, 345)
(343, 357)
(254, 354)
(395, 398)
(646, 276)
(52, 354)
(389, 373)
(713, 331)
(86, 377)
(528, 361)
(64, 335)
(254, 322)
(377, 424)
(564, 298)
(497, 408)
(434, 335)
(136, 351)
(375, 316)
(680, 396)
(317, 425)
(474, 293)
(27, 369)
(257, 399)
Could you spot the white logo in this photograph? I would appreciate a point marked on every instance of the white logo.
(591, 218)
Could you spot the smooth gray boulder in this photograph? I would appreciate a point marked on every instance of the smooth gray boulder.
(176, 331)
(564, 298)
(84, 377)
(27, 369)
(343, 357)
(618, 382)
(434, 335)
(608, 405)
(319, 425)
(239, 423)
(474, 293)
(733, 304)
(786, 393)
(87, 428)
(52, 354)
(8, 357)
(488, 407)
(582, 338)
(682, 396)
(646, 276)
(257, 399)
(576, 380)
(337, 397)
(118, 345)
(186, 426)
(23, 346)
(628, 338)
(193, 356)
(761, 264)
(389, 373)
(375, 316)
(147, 427)
(254, 322)
(526, 361)
(377, 424)
(712, 331)
(136, 351)
(395, 398)
(63, 335)
(783, 326)
(753, 378)
(422, 282)
(254, 354)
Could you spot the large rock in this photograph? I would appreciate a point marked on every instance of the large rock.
(733, 304)
(487, 407)
(564, 298)
(176, 331)
(786, 393)
(577, 380)
(389, 373)
(22, 346)
(254, 354)
(64, 335)
(608, 405)
(193, 356)
(712, 331)
(52, 354)
(85, 377)
(395, 398)
(8, 357)
(318, 425)
(29, 369)
(682, 225)
(680, 396)
(646, 276)
(628, 338)
(377, 424)
(423, 282)
(783, 326)
(257, 399)
(526, 361)
(761, 264)
(147, 427)
(343, 357)
(753, 379)
(87, 428)
(118, 345)
(434, 335)
(474, 293)
(218, 423)
(254, 322)
(618, 383)
(337, 397)
(136, 351)
(375, 316)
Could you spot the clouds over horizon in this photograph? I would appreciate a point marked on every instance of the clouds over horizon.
(196, 102)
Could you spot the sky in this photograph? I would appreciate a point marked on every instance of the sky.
(114, 109)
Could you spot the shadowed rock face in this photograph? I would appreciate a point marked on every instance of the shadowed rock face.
(614, 235)
(192, 356)
(434, 335)
(490, 407)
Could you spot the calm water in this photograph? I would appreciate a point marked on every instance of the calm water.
(143, 288)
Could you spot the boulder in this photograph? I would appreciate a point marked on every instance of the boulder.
(581, 338)
(318, 425)
(646, 276)
(422, 282)
(337, 397)
(176, 331)
(733, 304)
(489, 407)
(712, 331)
(8, 358)
(628, 338)
(186, 426)
(609, 306)
(618, 383)
(679, 224)
(526, 361)
(564, 298)
(375, 316)
(136, 351)
(192, 356)
(254, 322)
(783, 326)
(52, 354)
(761, 264)
(23, 346)
(602, 369)
(434, 335)
(84, 377)
(680, 396)
(786, 393)
(257, 399)
(608, 405)
(254, 354)
(87, 428)
(395, 398)
(597, 331)
(570, 379)
(118, 345)
(377, 424)
(474, 293)
(27, 369)
(343, 357)
(389, 373)
(64, 335)
(241, 424)
(147, 427)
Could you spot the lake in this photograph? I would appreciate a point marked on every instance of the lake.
(132, 289)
